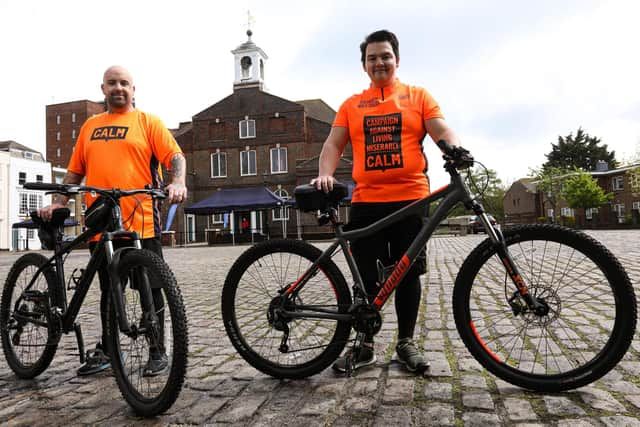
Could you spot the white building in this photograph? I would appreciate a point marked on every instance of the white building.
(20, 164)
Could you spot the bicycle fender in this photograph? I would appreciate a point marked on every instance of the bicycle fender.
(115, 263)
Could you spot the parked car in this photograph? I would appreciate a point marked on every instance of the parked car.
(476, 226)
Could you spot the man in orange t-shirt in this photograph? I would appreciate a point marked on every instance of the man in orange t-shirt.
(385, 124)
(124, 148)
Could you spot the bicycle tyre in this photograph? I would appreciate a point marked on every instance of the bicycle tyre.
(252, 284)
(148, 395)
(592, 315)
(18, 278)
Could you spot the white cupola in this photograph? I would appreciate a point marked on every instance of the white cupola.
(249, 62)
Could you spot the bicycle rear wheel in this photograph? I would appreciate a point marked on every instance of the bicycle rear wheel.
(253, 289)
(590, 322)
(149, 393)
(28, 340)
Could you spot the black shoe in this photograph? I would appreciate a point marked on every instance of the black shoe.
(157, 364)
(409, 355)
(96, 361)
(366, 357)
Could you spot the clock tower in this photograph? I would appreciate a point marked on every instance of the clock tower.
(249, 62)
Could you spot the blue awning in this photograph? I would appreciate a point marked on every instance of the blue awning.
(233, 199)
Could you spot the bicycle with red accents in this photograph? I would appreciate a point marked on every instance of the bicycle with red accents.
(543, 307)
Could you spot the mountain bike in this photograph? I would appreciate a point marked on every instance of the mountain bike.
(35, 312)
(543, 307)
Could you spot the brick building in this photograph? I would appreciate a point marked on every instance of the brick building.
(251, 138)
(523, 203)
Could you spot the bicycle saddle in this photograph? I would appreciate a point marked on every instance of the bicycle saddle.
(309, 199)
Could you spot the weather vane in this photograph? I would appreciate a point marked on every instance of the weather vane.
(250, 21)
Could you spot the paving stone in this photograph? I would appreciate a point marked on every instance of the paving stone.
(474, 381)
(559, 405)
(600, 399)
(519, 409)
(477, 399)
(577, 423)
(393, 416)
(480, 419)
(620, 421)
(436, 414)
(398, 391)
(437, 390)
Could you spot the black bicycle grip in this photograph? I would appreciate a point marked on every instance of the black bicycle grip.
(45, 186)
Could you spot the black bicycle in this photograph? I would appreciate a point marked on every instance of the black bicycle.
(34, 311)
(543, 307)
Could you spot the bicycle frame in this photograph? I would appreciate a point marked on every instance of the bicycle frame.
(449, 195)
(69, 310)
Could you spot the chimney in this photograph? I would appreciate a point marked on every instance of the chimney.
(601, 166)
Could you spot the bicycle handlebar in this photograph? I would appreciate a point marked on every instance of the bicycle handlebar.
(69, 189)
(456, 156)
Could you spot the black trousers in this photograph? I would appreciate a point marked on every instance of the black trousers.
(153, 244)
(387, 247)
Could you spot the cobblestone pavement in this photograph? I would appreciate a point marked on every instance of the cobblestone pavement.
(221, 388)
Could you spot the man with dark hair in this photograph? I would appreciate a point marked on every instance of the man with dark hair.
(123, 148)
(385, 125)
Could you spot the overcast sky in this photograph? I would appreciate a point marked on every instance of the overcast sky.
(510, 76)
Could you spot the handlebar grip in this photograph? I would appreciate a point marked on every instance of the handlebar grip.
(46, 186)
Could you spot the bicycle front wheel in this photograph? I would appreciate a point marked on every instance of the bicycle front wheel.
(151, 368)
(28, 341)
(591, 305)
(279, 346)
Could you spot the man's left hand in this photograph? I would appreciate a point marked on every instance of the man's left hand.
(177, 193)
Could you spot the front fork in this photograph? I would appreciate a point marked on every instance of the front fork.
(512, 269)
(140, 282)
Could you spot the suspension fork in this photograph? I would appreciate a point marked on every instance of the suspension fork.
(511, 267)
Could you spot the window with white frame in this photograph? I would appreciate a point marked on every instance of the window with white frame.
(73, 134)
(619, 210)
(281, 213)
(566, 212)
(247, 128)
(248, 163)
(635, 206)
(57, 152)
(35, 202)
(217, 218)
(218, 165)
(57, 136)
(73, 117)
(279, 160)
(550, 213)
(618, 183)
(589, 212)
(22, 177)
(24, 203)
(58, 119)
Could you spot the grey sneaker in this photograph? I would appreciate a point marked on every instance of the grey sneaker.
(366, 357)
(410, 357)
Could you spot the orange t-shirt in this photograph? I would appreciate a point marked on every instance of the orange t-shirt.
(125, 151)
(386, 130)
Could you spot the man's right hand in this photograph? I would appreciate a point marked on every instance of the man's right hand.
(324, 183)
(46, 212)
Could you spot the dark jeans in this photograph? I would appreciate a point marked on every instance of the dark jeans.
(153, 244)
(387, 247)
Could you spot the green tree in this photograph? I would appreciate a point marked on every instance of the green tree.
(580, 151)
(549, 182)
(634, 174)
(581, 190)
